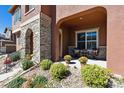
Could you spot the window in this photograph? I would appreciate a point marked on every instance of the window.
(87, 40)
(81, 40)
(28, 8)
(17, 14)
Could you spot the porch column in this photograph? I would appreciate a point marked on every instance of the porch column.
(56, 43)
(61, 43)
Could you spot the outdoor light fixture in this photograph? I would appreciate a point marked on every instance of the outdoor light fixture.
(81, 18)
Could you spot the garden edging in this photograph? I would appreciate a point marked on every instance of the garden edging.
(24, 72)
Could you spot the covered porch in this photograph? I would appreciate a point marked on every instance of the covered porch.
(84, 33)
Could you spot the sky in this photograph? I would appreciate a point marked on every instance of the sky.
(5, 17)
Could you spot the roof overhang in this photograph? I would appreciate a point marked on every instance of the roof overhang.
(12, 9)
(7, 28)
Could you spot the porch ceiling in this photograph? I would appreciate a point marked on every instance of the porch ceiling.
(91, 18)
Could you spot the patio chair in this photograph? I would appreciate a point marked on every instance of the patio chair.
(83, 52)
(71, 50)
(76, 53)
(101, 55)
(92, 53)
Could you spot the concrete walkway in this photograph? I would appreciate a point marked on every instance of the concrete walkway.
(76, 63)
(9, 74)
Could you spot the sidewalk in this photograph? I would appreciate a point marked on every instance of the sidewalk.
(76, 63)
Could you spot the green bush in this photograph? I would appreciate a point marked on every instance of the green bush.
(58, 71)
(16, 83)
(26, 64)
(95, 76)
(39, 82)
(46, 64)
(15, 56)
(67, 57)
(83, 60)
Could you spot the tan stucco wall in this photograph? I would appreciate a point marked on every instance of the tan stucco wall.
(115, 33)
(101, 34)
(67, 10)
(115, 37)
(25, 16)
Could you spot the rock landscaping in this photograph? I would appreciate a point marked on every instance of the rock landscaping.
(72, 81)
(64, 74)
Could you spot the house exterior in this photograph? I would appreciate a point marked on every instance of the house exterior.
(32, 25)
(7, 43)
(50, 31)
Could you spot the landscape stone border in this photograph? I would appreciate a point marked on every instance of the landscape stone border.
(24, 72)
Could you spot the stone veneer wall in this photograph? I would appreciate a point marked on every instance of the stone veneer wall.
(45, 36)
(41, 29)
(35, 27)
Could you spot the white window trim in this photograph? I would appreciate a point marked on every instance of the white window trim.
(29, 11)
(88, 30)
(19, 19)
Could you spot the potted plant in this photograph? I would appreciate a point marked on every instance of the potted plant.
(83, 60)
(67, 58)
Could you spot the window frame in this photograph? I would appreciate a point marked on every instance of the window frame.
(17, 14)
(86, 31)
(29, 9)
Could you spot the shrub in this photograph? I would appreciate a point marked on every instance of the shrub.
(39, 81)
(16, 83)
(58, 71)
(27, 84)
(83, 60)
(26, 64)
(15, 56)
(46, 64)
(28, 56)
(67, 57)
(95, 76)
